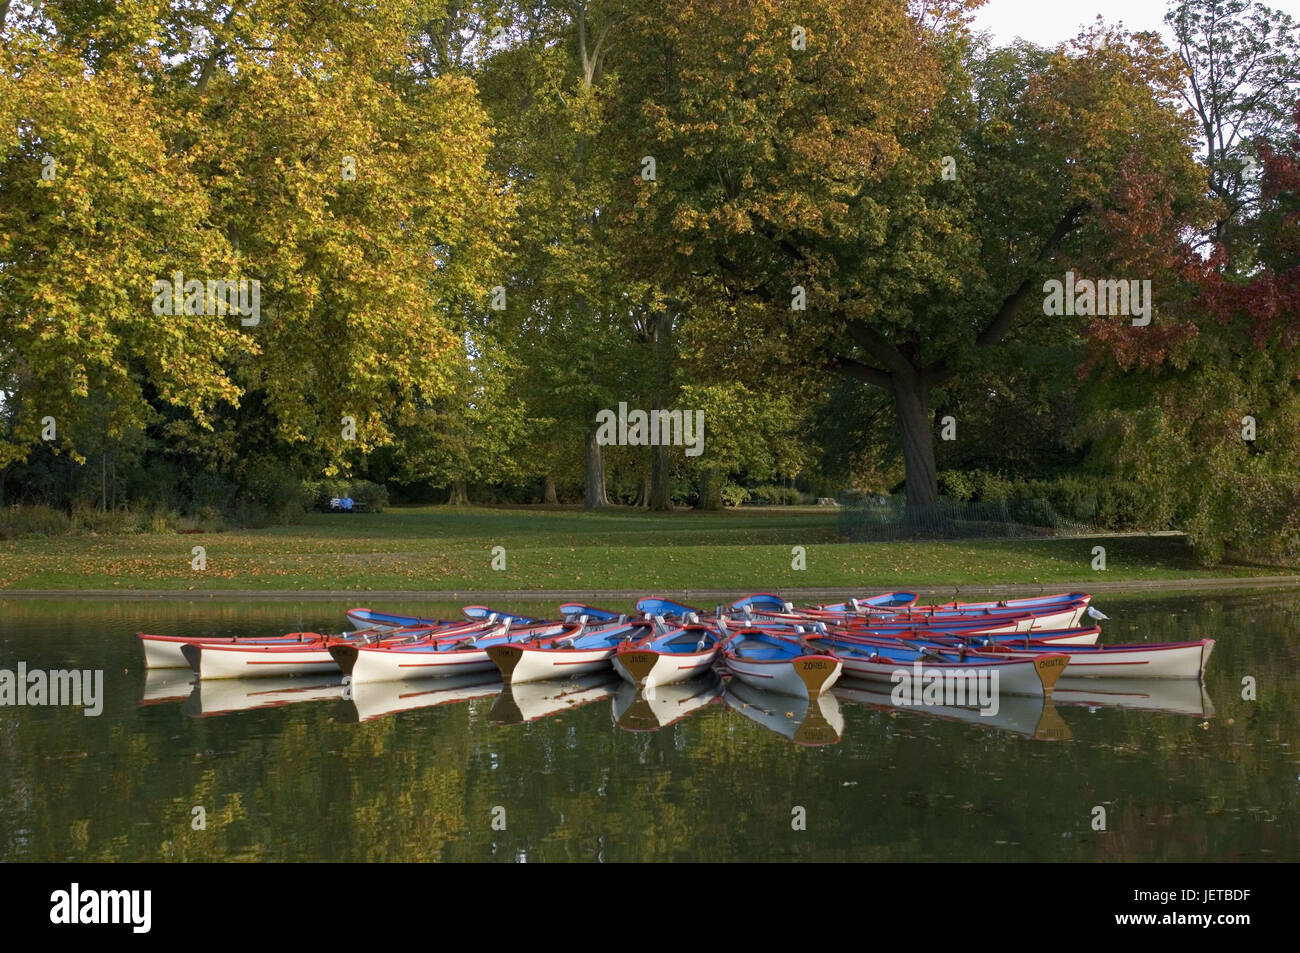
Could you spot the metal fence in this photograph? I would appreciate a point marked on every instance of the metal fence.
(888, 517)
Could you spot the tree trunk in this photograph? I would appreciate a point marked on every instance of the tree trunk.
(661, 485)
(910, 394)
(710, 491)
(642, 494)
(548, 493)
(459, 496)
(595, 491)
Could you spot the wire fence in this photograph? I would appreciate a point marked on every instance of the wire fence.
(882, 518)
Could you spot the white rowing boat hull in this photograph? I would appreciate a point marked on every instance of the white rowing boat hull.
(527, 663)
(646, 667)
(801, 677)
(377, 664)
(1170, 660)
(1035, 675)
(161, 651)
(258, 661)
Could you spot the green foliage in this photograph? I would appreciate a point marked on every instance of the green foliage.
(769, 495)
(733, 494)
(37, 520)
(267, 495)
(1102, 501)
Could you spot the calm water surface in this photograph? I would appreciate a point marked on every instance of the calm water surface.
(300, 770)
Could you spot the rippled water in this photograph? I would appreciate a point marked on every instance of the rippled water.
(301, 769)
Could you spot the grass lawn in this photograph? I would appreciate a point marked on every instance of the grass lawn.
(449, 548)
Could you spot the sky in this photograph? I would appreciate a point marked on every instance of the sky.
(1048, 22)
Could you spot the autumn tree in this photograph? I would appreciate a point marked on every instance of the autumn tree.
(287, 143)
(890, 193)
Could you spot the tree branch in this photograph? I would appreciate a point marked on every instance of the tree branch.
(1006, 314)
(863, 372)
(879, 347)
(218, 50)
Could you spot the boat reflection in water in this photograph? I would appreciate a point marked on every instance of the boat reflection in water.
(529, 701)
(1025, 715)
(1172, 696)
(810, 722)
(365, 701)
(226, 695)
(166, 685)
(663, 705)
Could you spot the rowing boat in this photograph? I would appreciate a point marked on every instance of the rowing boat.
(302, 654)
(889, 602)
(927, 669)
(165, 651)
(1077, 602)
(576, 654)
(1141, 660)
(442, 656)
(675, 656)
(954, 635)
(215, 660)
(363, 618)
(771, 663)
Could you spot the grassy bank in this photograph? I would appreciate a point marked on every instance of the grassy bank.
(445, 548)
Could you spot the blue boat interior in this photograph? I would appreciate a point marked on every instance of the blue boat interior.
(654, 606)
(685, 641)
(763, 648)
(761, 600)
(591, 612)
(483, 613)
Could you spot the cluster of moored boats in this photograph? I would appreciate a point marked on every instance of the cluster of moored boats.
(1026, 645)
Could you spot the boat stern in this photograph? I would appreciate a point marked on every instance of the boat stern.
(817, 672)
(1049, 669)
(345, 656)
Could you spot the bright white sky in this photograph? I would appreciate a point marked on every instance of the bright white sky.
(1048, 22)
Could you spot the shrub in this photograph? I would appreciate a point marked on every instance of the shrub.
(89, 519)
(161, 520)
(373, 495)
(733, 494)
(268, 495)
(34, 520)
(769, 495)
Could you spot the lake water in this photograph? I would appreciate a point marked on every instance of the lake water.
(305, 769)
